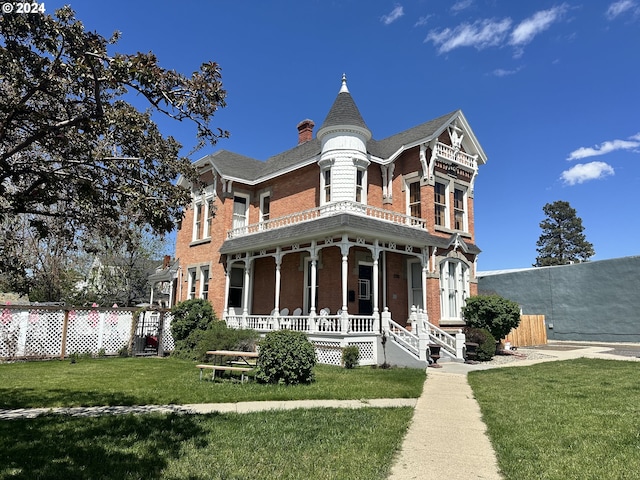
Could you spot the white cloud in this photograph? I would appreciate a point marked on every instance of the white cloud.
(540, 21)
(394, 15)
(606, 147)
(480, 34)
(461, 5)
(583, 172)
(501, 72)
(422, 21)
(618, 8)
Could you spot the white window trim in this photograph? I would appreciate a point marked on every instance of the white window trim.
(262, 197)
(363, 190)
(203, 200)
(246, 209)
(465, 205)
(461, 285)
(192, 278)
(447, 201)
(323, 186)
(202, 282)
(410, 286)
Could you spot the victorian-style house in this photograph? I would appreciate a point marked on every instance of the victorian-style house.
(342, 234)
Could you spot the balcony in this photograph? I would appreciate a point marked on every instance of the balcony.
(335, 208)
(456, 156)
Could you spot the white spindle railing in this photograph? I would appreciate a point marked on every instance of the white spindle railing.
(404, 337)
(327, 210)
(456, 156)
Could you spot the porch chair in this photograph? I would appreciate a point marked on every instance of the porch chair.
(297, 312)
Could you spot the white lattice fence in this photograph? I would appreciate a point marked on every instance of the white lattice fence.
(40, 332)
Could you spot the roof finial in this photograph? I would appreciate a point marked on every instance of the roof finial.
(344, 88)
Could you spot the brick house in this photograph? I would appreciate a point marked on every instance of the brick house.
(342, 232)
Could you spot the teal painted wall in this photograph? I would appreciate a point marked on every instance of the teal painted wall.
(593, 301)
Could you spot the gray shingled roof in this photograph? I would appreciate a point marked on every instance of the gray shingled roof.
(335, 225)
(344, 112)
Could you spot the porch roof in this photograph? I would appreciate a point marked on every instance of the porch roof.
(333, 225)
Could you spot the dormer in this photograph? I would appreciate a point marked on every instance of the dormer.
(343, 160)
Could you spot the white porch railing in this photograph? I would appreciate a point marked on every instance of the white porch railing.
(452, 345)
(327, 210)
(456, 156)
(334, 324)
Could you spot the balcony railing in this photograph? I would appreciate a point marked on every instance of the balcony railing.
(328, 210)
(456, 156)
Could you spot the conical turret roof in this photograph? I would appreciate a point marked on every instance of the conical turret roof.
(344, 111)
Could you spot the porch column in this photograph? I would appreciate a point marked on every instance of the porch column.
(314, 266)
(276, 301)
(376, 276)
(245, 292)
(344, 249)
(227, 284)
(425, 270)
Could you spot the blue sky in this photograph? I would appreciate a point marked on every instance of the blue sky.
(551, 90)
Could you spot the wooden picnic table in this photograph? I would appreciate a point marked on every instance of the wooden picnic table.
(243, 365)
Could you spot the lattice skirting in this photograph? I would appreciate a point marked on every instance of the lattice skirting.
(329, 352)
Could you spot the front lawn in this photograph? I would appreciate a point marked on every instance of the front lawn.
(297, 444)
(563, 420)
(144, 381)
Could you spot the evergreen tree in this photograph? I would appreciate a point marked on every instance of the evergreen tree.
(562, 240)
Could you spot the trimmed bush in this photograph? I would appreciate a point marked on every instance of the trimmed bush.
(350, 356)
(493, 312)
(196, 330)
(486, 342)
(190, 315)
(286, 357)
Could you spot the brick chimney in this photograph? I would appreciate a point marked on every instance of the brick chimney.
(305, 131)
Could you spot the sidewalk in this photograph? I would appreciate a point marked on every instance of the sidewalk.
(447, 437)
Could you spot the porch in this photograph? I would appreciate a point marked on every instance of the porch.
(370, 333)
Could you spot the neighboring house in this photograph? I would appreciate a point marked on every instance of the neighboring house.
(341, 224)
(591, 301)
(163, 283)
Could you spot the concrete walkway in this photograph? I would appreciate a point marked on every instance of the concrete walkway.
(447, 437)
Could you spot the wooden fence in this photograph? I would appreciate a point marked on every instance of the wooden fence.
(531, 331)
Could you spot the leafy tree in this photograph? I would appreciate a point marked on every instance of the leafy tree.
(562, 240)
(493, 312)
(73, 147)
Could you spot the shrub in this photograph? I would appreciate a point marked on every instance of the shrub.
(486, 342)
(350, 356)
(216, 337)
(493, 312)
(190, 315)
(286, 357)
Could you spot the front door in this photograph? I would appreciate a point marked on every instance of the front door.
(365, 303)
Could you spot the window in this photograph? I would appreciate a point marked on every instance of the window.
(265, 207)
(209, 224)
(327, 185)
(240, 205)
(415, 284)
(236, 283)
(359, 186)
(454, 288)
(414, 200)
(197, 221)
(440, 199)
(204, 282)
(191, 279)
(459, 209)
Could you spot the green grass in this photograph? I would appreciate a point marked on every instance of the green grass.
(143, 381)
(563, 420)
(298, 444)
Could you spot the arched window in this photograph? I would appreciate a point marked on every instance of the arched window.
(454, 288)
